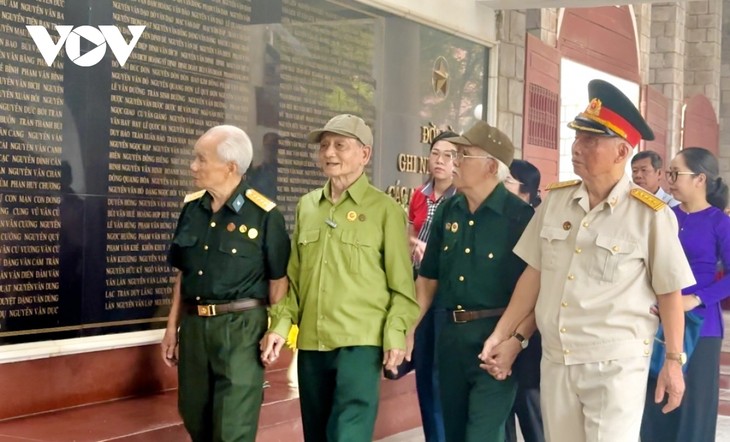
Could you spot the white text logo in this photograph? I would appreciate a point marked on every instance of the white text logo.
(71, 37)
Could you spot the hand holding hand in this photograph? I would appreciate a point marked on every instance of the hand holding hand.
(271, 345)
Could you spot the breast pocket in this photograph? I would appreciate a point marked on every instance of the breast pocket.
(239, 255)
(361, 249)
(552, 240)
(611, 254)
(309, 247)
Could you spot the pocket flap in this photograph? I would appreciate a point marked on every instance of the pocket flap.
(553, 233)
(615, 246)
(185, 240)
(308, 236)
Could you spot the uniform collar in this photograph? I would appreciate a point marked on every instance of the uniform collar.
(495, 201)
(356, 191)
(617, 194)
(234, 202)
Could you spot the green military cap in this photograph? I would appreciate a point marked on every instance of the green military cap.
(488, 138)
(347, 125)
(610, 112)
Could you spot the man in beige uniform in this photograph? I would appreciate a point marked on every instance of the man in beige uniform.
(600, 254)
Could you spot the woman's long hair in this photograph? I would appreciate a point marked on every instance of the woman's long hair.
(701, 161)
(527, 174)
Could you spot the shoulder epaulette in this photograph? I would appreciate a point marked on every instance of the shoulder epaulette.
(648, 198)
(562, 184)
(193, 196)
(260, 200)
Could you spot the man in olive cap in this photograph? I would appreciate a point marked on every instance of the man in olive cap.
(600, 253)
(351, 290)
(469, 271)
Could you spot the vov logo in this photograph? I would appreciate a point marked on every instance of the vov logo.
(71, 37)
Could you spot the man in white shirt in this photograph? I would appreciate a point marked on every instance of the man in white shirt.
(647, 172)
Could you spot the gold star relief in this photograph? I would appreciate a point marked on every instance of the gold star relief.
(440, 77)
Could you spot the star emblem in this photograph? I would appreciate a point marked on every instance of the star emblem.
(440, 77)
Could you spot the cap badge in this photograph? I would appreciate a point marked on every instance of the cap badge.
(594, 107)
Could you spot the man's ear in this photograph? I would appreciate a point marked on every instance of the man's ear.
(367, 152)
(624, 150)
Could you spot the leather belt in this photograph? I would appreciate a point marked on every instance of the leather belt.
(208, 310)
(461, 316)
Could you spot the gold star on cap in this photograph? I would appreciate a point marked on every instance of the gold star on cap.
(440, 77)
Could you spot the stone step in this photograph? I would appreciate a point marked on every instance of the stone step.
(155, 417)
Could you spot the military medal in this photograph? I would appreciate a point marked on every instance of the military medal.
(351, 215)
(231, 227)
(253, 233)
(454, 227)
(330, 223)
(567, 225)
(361, 217)
(243, 228)
(448, 226)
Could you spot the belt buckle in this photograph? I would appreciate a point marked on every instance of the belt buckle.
(206, 310)
(453, 316)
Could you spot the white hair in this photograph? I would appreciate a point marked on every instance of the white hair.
(502, 170)
(236, 147)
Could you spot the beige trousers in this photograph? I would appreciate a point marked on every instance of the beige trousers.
(596, 402)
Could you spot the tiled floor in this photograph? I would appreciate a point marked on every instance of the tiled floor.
(416, 435)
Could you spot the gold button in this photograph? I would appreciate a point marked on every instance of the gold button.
(212, 224)
(646, 352)
(564, 304)
(446, 248)
(585, 224)
(566, 351)
(467, 250)
(461, 278)
(614, 248)
(458, 307)
(200, 272)
(471, 222)
(233, 251)
(578, 250)
(325, 261)
(490, 256)
(205, 247)
(562, 330)
(571, 277)
(646, 342)
(197, 298)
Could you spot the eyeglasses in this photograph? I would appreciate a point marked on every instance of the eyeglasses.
(460, 156)
(672, 175)
(447, 156)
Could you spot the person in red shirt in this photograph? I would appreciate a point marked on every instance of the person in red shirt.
(423, 205)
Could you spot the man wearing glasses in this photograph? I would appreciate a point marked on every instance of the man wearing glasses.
(469, 271)
(646, 171)
(600, 253)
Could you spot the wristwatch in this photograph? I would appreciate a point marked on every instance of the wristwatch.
(679, 357)
(523, 341)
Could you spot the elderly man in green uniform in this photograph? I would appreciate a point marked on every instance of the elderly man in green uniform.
(600, 254)
(231, 249)
(351, 290)
(469, 270)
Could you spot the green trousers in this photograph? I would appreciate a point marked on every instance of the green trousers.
(339, 392)
(220, 375)
(476, 405)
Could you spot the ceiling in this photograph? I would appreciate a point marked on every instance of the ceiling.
(538, 4)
